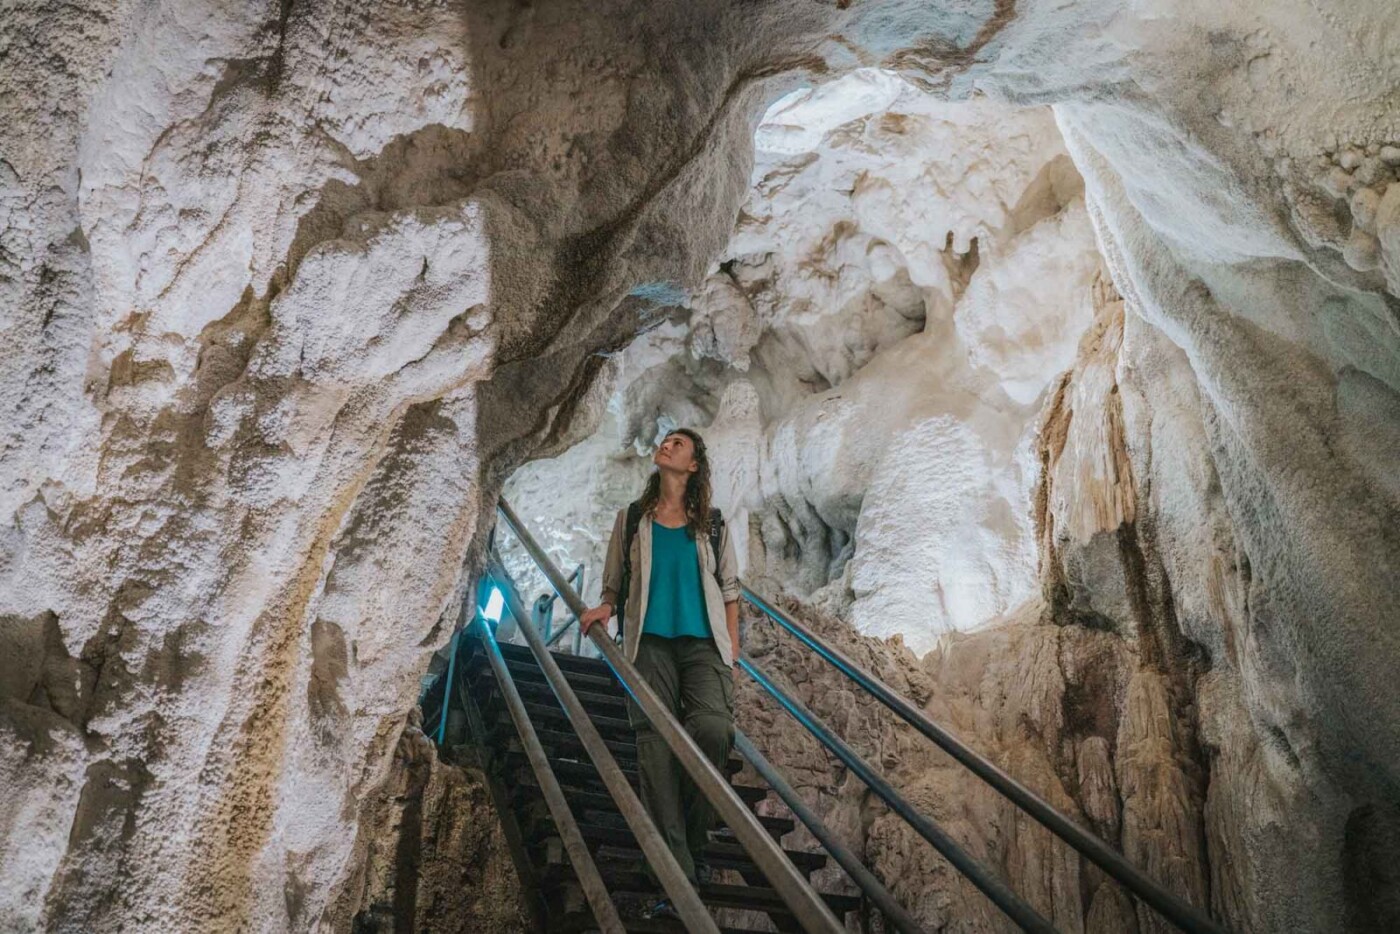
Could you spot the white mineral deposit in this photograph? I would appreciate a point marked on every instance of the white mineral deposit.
(1047, 352)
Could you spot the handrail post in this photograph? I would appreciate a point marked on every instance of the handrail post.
(604, 911)
(578, 629)
(673, 879)
(542, 615)
(447, 687)
(806, 906)
(994, 888)
(559, 633)
(1172, 907)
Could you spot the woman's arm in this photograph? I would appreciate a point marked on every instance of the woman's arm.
(612, 578)
(599, 614)
(729, 588)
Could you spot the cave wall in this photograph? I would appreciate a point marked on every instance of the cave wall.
(1098, 694)
(437, 858)
(259, 260)
(906, 279)
(1091, 693)
(290, 288)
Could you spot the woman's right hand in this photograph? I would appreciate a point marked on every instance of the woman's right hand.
(599, 614)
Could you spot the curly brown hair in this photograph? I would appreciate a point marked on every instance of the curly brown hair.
(697, 488)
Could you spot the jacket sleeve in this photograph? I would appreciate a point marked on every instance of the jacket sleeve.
(728, 567)
(612, 564)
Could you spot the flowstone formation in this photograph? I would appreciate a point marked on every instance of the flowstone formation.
(906, 280)
(288, 290)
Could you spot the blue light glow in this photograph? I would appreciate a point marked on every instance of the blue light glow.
(494, 604)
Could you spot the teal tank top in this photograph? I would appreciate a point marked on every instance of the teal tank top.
(675, 600)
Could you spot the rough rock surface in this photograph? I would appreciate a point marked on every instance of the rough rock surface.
(1001, 689)
(1098, 696)
(437, 858)
(906, 279)
(289, 289)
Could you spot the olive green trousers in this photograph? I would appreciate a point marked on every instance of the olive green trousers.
(697, 687)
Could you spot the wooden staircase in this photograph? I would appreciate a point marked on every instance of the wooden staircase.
(558, 902)
(502, 726)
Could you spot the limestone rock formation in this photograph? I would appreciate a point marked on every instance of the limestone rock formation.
(437, 859)
(906, 279)
(287, 291)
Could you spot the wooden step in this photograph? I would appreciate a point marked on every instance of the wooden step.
(554, 717)
(503, 731)
(540, 693)
(525, 786)
(776, 826)
(628, 881)
(567, 663)
(573, 751)
(528, 671)
(580, 922)
(604, 684)
(596, 805)
(584, 776)
(722, 853)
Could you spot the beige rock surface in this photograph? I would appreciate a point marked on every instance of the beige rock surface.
(435, 856)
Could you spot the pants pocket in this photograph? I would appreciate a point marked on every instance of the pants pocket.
(724, 675)
(726, 681)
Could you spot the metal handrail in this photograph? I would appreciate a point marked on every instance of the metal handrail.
(591, 881)
(805, 904)
(673, 880)
(578, 629)
(558, 634)
(862, 877)
(441, 730)
(994, 888)
(1184, 915)
(551, 636)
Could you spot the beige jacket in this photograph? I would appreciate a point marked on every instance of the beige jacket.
(715, 595)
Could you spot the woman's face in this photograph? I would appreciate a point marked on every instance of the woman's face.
(676, 452)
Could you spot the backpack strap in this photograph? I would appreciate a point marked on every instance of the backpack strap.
(716, 532)
(634, 519)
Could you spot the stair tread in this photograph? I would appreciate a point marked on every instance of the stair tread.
(610, 727)
(598, 806)
(589, 666)
(531, 672)
(575, 753)
(579, 922)
(505, 727)
(725, 848)
(577, 797)
(601, 684)
(776, 826)
(720, 856)
(540, 691)
(584, 776)
(713, 894)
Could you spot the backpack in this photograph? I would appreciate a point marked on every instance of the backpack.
(634, 519)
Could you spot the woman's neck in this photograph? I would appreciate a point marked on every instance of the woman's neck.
(672, 497)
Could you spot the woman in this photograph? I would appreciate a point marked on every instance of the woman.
(681, 630)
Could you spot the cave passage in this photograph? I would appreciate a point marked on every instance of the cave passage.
(1046, 354)
(868, 359)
